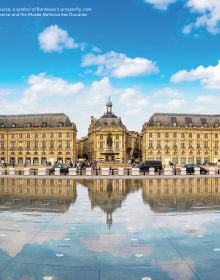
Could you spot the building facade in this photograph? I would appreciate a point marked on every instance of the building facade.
(181, 138)
(108, 139)
(37, 139)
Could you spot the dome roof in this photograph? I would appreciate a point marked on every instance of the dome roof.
(109, 120)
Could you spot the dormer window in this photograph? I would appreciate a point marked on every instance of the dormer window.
(216, 124)
(158, 123)
(2, 125)
(44, 124)
(188, 122)
(29, 124)
(60, 124)
(13, 125)
(174, 121)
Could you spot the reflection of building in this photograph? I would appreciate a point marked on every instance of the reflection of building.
(37, 139)
(194, 194)
(181, 138)
(36, 194)
(109, 194)
(108, 139)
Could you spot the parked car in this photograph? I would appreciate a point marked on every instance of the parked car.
(64, 169)
(190, 168)
(156, 164)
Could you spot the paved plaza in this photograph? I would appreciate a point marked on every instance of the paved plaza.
(110, 229)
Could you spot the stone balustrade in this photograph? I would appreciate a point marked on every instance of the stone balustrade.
(135, 171)
(151, 171)
(183, 171)
(197, 170)
(105, 171)
(88, 171)
(72, 171)
(41, 171)
(121, 171)
(26, 171)
(168, 171)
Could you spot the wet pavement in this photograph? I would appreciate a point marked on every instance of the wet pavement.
(149, 229)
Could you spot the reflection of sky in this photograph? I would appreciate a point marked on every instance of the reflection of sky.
(172, 243)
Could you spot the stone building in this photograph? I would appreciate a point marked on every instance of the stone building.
(37, 139)
(108, 139)
(181, 138)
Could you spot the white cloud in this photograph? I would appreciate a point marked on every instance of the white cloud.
(50, 86)
(55, 39)
(6, 92)
(119, 65)
(48, 94)
(212, 100)
(208, 76)
(168, 92)
(174, 105)
(209, 14)
(161, 4)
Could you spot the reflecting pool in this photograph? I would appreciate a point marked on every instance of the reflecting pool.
(150, 229)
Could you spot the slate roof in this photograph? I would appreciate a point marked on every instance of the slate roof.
(109, 119)
(35, 120)
(184, 120)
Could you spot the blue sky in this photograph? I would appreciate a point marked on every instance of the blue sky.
(149, 55)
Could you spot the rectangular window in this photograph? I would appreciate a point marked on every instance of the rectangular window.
(183, 145)
(2, 135)
(2, 145)
(43, 144)
(198, 135)
(68, 144)
(150, 144)
(150, 134)
(36, 135)
(60, 144)
(43, 135)
(28, 144)
(60, 135)
(158, 144)
(174, 135)
(28, 135)
(182, 135)
(158, 134)
(117, 145)
(216, 135)
(206, 135)
(12, 144)
(51, 144)
(166, 135)
(52, 135)
(198, 145)
(206, 144)
(68, 134)
(35, 144)
(20, 135)
(101, 145)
